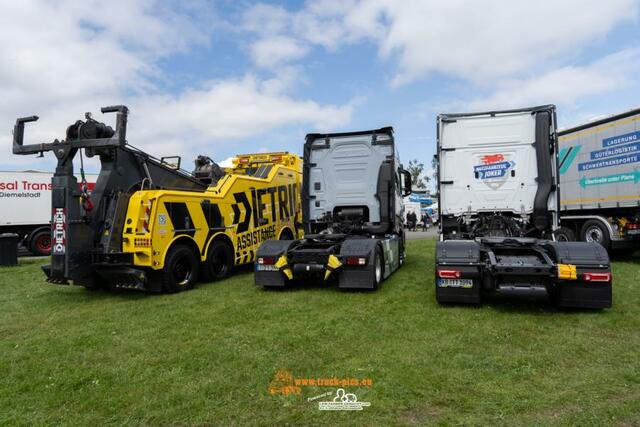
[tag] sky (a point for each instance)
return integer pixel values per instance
(227, 77)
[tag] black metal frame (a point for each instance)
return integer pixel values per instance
(90, 237)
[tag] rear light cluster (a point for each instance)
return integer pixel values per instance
(352, 260)
(596, 277)
(632, 226)
(267, 260)
(449, 274)
(276, 158)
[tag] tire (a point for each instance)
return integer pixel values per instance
(40, 243)
(219, 263)
(564, 234)
(286, 235)
(180, 269)
(378, 268)
(595, 231)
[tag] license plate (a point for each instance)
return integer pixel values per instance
(455, 283)
(267, 267)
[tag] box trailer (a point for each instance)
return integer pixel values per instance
(599, 169)
(25, 207)
(498, 209)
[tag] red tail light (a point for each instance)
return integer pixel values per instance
(356, 261)
(449, 274)
(596, 277)
(244, 160)
(267, 260)
(276, 158)
(632, 226)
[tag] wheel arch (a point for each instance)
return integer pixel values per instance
(38, 229)
(221, 236)
(286, 229)
(182, 239)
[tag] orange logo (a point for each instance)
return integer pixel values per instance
(282, 383)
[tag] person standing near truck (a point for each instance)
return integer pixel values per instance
(425, 221)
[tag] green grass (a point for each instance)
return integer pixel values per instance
(69, 356)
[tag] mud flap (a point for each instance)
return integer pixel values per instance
(273, 274)
(458, 258)
(358, 277)
(591, 260)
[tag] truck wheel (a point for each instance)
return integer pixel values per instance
(180, 269)
(564, 234)
(378, 268)
(219, 263)
(40, 243)
(594, 231)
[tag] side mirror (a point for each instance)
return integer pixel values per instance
(406, 183)
(173, 162)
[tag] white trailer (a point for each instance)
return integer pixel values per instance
(599, 173)
(25, 207)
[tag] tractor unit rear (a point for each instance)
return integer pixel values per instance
(352, 215)
(499, 204)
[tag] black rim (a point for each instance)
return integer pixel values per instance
(182, 271)
(219, 261)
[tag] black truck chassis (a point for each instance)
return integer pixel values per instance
(569, 274)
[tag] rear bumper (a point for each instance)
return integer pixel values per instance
(124, 277)
(494, 271)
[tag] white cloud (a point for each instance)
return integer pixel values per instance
(61, 58)
(223, 111)
(473, 40)
(493, 39)
(566, 85)
(276, 50)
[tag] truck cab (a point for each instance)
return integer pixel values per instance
(353, 185)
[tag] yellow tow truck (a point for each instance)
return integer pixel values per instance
(177, 233)
(148, 224)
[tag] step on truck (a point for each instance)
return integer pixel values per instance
(599, 164)
(499, 199)
(150, 225)
(353, 185)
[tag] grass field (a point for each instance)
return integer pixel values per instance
(208, 356)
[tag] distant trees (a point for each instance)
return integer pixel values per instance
(418, 179)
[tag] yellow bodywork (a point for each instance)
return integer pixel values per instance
(282, 265)
(332, 264)
(258, 199)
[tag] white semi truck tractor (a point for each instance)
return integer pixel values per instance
(499, 207)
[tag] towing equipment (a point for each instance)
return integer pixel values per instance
(149, 225)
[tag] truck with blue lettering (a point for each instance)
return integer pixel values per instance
(599, 174)
(498, 198)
